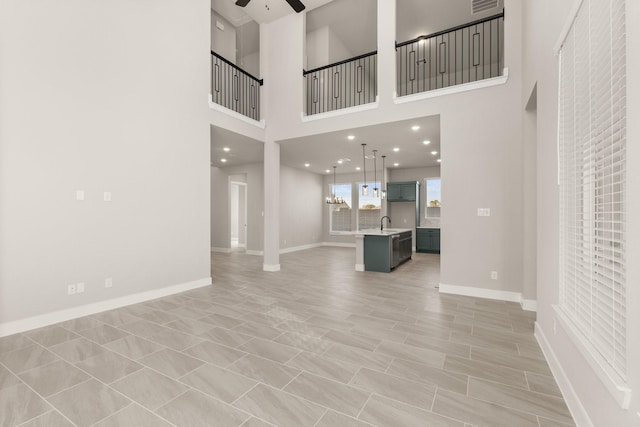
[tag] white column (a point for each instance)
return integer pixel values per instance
(386, 51)
(271, 261)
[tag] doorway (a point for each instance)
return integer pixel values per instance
(238, 215)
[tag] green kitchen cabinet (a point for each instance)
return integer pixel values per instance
(428, 240)
(406, 191)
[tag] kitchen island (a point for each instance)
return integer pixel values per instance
(384, 250)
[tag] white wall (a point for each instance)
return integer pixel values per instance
(223, 42)
(100, 96)
(324, 47)
(590, 401)
(300, 208)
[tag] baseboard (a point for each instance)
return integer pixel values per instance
(222, 250)
(481, 292)
(339, 244)
(255, 253)
(271, 267)
(47, 319)
(579, 414)
(300, 248)
(529, 304)
(359, 267)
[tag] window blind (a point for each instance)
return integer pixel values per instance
(592, 170)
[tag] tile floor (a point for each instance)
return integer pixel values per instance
(316, 344)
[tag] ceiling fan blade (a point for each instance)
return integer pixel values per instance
(296, 5)
(242, 3)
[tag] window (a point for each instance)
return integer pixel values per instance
(368, 208)
(434, 198)
(592, 147)
(340, 215)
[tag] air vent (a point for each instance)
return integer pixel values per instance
(478, 6)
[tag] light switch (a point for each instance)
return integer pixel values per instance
(107, 196)
(80, 195)
(80, 287)
(484, 212)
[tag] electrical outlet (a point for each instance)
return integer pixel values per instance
(484, 212)
(494, 275)
(80, 195)
(71, 289)
(108, 282)
(80, 287)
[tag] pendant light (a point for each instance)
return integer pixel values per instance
(365, 187)
(383, 194)
(375, 176)
(333, 199)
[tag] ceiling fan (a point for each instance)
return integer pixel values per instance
(295, 4)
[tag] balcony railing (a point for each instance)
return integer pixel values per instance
(341, 85)
(234, 88)
(462, 54)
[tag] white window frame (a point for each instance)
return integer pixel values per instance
(330, 207)
(426, 199)
(592, 175)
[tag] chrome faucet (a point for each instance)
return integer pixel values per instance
(382, 222)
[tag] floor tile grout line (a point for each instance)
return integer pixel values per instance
(321, 417)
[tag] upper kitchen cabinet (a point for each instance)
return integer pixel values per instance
(406, 191)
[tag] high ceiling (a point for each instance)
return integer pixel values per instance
(345, 17)
(323, 151)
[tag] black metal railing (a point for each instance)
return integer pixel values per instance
(341, 85)
(462, 54)
(234, 88)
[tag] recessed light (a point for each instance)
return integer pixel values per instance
(439, 160)
(351, 137)
(396, 149)
(416, 127)
(327, 171)
(396, 164)
(227, 149)
(358, 168)
(223, 160)
(340, 161)
(306, 165)
(434, 153)
(426, 142)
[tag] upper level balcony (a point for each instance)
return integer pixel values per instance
(341, 59)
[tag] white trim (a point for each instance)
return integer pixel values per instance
(271, 267)
(612, 382)
(339, 244)
(222, 250)
(567, 26)
(300, 248)
(47, 319)
(579, 414)
(471, 291)
(260, 124)
(529, 304)
(340, 112)
(494, 81)
(359, 267)
(255, 253)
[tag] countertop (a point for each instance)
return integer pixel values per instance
(385, 232)
(429, 226)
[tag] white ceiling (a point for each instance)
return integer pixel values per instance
(323, 151)
(261, 11)
(242, 149)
